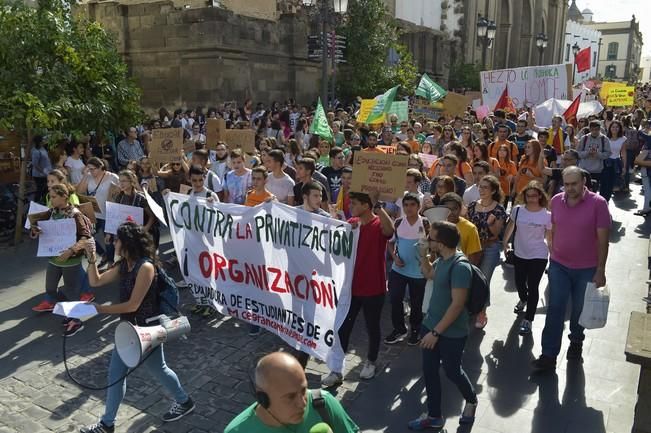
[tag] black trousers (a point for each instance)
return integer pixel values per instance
(372, 306)
(528, 273)
(398, 284)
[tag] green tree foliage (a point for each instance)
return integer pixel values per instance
(60, 72)
(465, 75)
(370, 34)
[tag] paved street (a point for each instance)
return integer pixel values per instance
(214, 363)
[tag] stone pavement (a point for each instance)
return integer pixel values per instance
(215, 362)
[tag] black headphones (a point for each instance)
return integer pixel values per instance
(263, 399)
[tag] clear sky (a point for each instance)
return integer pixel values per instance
(622, 10)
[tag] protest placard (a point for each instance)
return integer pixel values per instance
(117, 214)
(214, 131)
(56, 236)
(379, 172)
(34, 208)
(389, 150)
(166, 145)
(240, 138)
(87, 209)
(427, 112)
(455, 104)
(621, 96)
(284, 269)
(482, 112)
(89, 199)
(156, 209)
(428, 159)
(528, 86)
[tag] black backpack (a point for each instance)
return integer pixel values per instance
(478, 293)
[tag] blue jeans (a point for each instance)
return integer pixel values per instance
(447, 352)
(646, 182)
(156, 367)
(85, 283)
(490, 258)
(564, 283)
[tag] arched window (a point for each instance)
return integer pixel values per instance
(613, 48)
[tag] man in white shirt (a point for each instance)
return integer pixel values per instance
(278, 182)
(479, 170)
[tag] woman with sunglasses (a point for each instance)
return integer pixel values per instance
(173, 175)
(488, 215)
(532, 223)
(98, 182)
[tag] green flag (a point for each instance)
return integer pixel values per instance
(429, 90)
(382, 106)
(320, 125)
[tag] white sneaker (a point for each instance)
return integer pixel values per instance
(332, 379)
(368, 371)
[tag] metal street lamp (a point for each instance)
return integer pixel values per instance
(327, 10)
(541, 43)
(486, 30)
(575, 50)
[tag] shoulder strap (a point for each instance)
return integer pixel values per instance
(396, 223)
(319, 404)
(603, 143)
(210, 181)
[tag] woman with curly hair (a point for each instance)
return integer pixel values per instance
(137, 276)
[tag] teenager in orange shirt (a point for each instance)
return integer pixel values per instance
(507, 171)
(503, 133)
(259, 193)
(480, 153)
(528, 169)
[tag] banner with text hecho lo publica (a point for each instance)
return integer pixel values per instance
(275, 266)
(528, 86)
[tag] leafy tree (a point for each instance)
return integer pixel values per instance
(370, 34)
(61, 73)
(465, 75)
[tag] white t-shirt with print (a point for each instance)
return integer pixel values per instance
(282, 187)
(529, 240)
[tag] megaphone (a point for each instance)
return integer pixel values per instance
(436, 213)
(133, 343)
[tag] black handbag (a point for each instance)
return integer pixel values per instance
(509, 256)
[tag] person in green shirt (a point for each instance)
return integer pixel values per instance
(445, 327)
(284, 403)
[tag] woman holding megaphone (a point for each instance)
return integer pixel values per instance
(136, 274)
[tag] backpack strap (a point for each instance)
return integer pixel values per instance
(603, 143)
(319, 404)
(396, 223)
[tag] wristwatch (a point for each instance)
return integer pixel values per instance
(435, 333)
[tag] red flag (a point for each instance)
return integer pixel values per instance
(583, 60)
(570, 114)
(505, 102)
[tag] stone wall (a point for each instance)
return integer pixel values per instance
(186, 57)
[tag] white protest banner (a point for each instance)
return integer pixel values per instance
(545, 111)
(155, 208)
(528, 86)
(34, 208)
(278, 267)
(117, 213)
(56, 236)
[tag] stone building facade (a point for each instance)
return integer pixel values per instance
(184, 53)
(518, 22)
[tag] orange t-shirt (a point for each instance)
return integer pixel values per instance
(495, 145)
(253, 198)
(524, 179)
(414, 144)
(506, 169)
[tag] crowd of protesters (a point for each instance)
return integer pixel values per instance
(503, 179)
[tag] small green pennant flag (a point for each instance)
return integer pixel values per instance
(320, 125)
(382, 106)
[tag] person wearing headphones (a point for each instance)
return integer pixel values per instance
(283, 401)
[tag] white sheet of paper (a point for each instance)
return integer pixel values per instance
(76, 310)
(117, 213)
(34, 208)
(155, 208)
(56, 236)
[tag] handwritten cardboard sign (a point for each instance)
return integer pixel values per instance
(240, 138)
(379, 172)
(455, 104)
(389, 150)
(89, 199)
(166, 145)
(622, 96)
(528, 86)
(56, 236)
(214, 132)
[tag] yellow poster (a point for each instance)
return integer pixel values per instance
(605, 89)
(365, 109)
(621, 96)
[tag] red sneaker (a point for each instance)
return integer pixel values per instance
(87, 297)
(44, 306)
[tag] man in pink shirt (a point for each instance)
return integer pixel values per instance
(580, 230)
